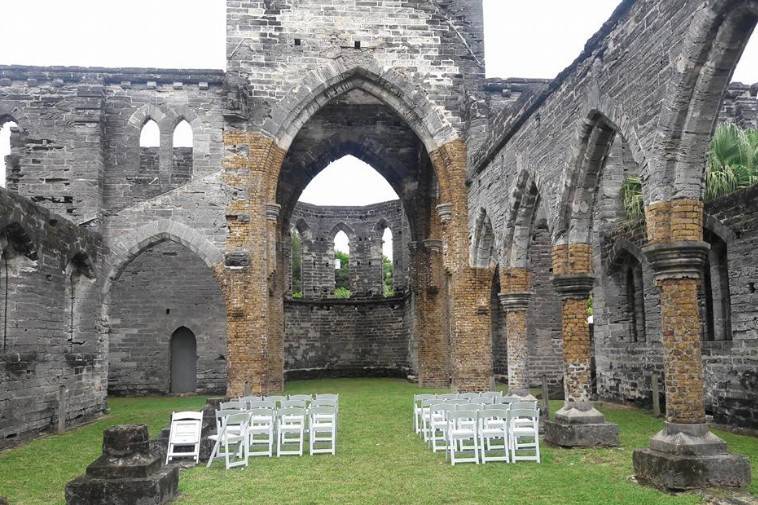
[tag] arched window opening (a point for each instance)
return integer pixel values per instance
(150, 136)
(341, 265)
(149, 153)
(388, 265)
(6, 161)
(79, 278)
(716, 298)
(182, 153)
(367, 186)
(183, 353)
(296, 259)
(635, 301)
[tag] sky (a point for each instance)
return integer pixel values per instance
(535, 38)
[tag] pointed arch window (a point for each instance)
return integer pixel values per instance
(635, 300)
(149, 152)
(182, 156)
(296, 260)
(388, 263)
(6, 160)
(341, 265)
(717, 304)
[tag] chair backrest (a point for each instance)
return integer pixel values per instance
(246, 401)
(232, 404)
(241, 419)
(323, 411)
(469, 396)
(261, 416)
(489, 397)
(327, 396)
(294, 403)
(416, 398)
(292, 414)
(186, 428)
(494, 412)
(525, 404)
(525, 410)
(462, 415)
(223, 413)
(275, 398)
(323, 403)
(305, 398)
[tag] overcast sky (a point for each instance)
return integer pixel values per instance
(535, 38)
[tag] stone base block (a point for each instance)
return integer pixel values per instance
(157, 489)
(689, 456)
(679, 472)
(581, 435)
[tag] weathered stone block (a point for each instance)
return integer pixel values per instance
(676, 472)
(581, 435)
(129, 472)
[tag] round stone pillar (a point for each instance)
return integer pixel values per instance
(685, 454)
(516, 306)
(578, 423)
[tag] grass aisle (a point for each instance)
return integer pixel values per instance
(379, 461)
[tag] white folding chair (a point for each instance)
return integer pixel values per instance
(290, 428)
(323, 429)
(233, 432)
(425, 407)
(438, 414)
(524, 431)
(493, 433)
(417, 411)
(462, 428)
(185, 432)
(261, 431)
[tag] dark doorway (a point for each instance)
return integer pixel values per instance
(183, 361)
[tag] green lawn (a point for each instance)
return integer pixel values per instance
(379, 461)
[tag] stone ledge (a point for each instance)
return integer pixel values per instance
(581, 435)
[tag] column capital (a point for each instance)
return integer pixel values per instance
(445, 212)
(515, 301)
(574, 285)
(272, 211)
(677, 260)
(433, 245)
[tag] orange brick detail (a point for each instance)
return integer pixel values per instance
(577, 354)
(572, 259)
(518, 352)
(514, 280)
(683, 365)
(255, 322)
(677, 220)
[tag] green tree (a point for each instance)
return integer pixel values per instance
(342, 275)
(297, 265)
(389, 274)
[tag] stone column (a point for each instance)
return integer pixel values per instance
(685, 454)
(577, 423)
(516, 306)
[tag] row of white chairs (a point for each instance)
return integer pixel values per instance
(470, 430)
(255, 426)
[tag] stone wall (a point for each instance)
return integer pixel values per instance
(346, 338)
(165, 288)
(364, 227)
(740, 105)
(52, 342)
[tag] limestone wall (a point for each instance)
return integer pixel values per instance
(346, 338)
(50, 279)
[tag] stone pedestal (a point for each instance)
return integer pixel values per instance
(129, 472)
(689, 456)
(581, 426)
